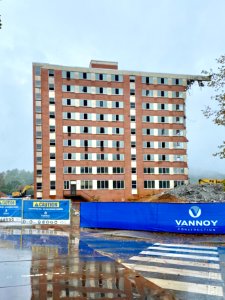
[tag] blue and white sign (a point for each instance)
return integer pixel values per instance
(10, 210)
(46, 212)
(191, 218)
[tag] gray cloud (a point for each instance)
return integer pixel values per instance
(161, 36)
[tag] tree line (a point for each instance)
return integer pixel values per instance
(14, 180)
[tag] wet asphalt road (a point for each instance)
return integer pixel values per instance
(65, 263)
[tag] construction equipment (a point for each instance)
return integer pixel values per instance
(23, 192)
(211, 181)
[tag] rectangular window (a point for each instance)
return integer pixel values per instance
(148, 144)
(118, 170)
(149, 170)
(147, 131)
(134, 184)
(133, 156)
(52, 142)
(118, 184)
(163, 145)
(162, 80)
(52, 155)
(118, 157)
(162, 93)
(163, 132)
(178, 158)
(37, 71)
(38, 122)
(147, 93)
(178, 170)
(86, 185)
(52, 128)
(102, 156)
(86, 156)
(51, 100)
(132, 118)
(133, 131)
(101, 103)
(148, 119)
(162, 106)
(164, 170)
(133, 170)
(86, 170)
(52, 115)
(163, 157)
(132, 92)
(102, 184)
(147, 105)
(39, 147)
(52, 185)
(177, 81)
(132, 78)
(39, 186)
(164, 184)
(38, 134)
(66, 185)
(68, 74)
(84, 75)
(51, 87)
(178, 145)
(39, 160)
(100, 77)
(132, 105)
(52, 170)
(149, 184)
(147, 80)
(148, 157)
(102, 170)
(39, 172)
(116, 130)
(51, 73)
(68, 88)
(178, 183)
(118, 78)
(69, 170)
(133, 144)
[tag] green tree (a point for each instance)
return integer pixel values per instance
(14, 180)
(217, 115)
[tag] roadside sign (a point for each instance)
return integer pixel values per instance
(10, 210)
(46, 212)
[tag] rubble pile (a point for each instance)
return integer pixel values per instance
(198, 193)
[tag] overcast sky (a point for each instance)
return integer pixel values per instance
(179, 36)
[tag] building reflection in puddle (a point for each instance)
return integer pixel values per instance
(63, 267)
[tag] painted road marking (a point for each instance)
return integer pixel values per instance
(175, 262)
(183, 250)
(170, 260)
(186, 246)
(179, 255)
(212, 290)
(174, 271)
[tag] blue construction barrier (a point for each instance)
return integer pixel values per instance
(164, 217)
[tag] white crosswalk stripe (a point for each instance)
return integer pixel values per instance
(190, 269)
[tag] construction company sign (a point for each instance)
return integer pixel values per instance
(199, 218)
(10, 210)
(46, 212)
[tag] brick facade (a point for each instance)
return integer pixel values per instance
(147, 108)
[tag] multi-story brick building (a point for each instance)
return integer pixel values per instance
(105, 134)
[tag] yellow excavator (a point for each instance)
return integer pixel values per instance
(23, 192)
(211, 181)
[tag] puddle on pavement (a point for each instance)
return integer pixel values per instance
(51, 264)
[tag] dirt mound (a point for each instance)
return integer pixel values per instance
(193, 193)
